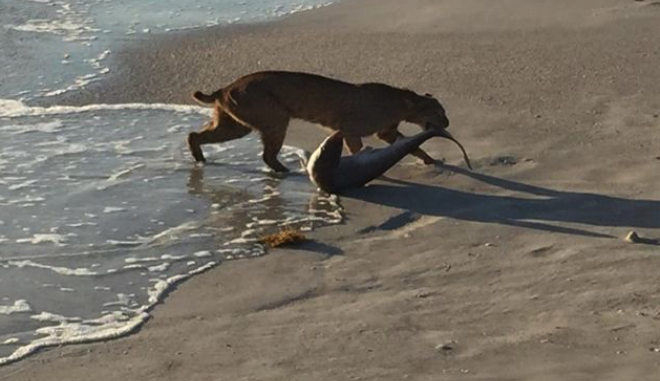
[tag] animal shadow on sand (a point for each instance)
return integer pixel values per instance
(537, 207)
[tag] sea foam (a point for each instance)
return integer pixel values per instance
(64, 166)
(161, 221)
(15, 109)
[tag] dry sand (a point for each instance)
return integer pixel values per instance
(517, 271)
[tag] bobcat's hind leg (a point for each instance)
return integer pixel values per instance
(225, 130)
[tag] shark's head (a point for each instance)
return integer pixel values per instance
(323, 162)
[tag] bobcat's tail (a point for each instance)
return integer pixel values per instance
(217, 101)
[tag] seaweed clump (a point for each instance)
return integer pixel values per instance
(285, 237)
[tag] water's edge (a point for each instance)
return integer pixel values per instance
(76, 101)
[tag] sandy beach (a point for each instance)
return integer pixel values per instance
(515, 271)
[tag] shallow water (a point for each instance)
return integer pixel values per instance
(101, 207)
(49, 47)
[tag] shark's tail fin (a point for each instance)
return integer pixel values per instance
(443, 133)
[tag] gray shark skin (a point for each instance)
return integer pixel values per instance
(333, 173)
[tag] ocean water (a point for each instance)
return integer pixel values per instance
(101, 207)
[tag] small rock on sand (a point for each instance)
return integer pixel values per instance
(446, 347)
(632, 237)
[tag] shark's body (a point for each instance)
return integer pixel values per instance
(333, 173)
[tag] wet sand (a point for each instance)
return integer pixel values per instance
(515, 271)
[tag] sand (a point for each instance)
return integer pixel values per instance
(516, 271)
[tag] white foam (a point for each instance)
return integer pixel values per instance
(96, 62)
(53, 318)
(174, 232)
(77, 333)
(202, 254)
(159, 268)
(240, 240)
(72, 330)
(159, 289)
(10, 106)
(124, 243)
(24, 184)
(113, 209)
(57, 239)
(12, 109)
(69, 28)
(78, 83)
(71, 24)
(110, 325)
(115, 176)
(23, 200)
(82, 271)
(81, 224)
(47, 127)
(122, 300)
(173, 257)
(140, 260)
(200, 235)
(19, 306)
(261, 200)
(261, 223)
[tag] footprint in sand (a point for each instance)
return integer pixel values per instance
(503, 161)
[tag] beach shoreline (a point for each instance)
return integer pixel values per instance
(515, 271)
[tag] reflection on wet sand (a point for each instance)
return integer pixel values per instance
(247, 210)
